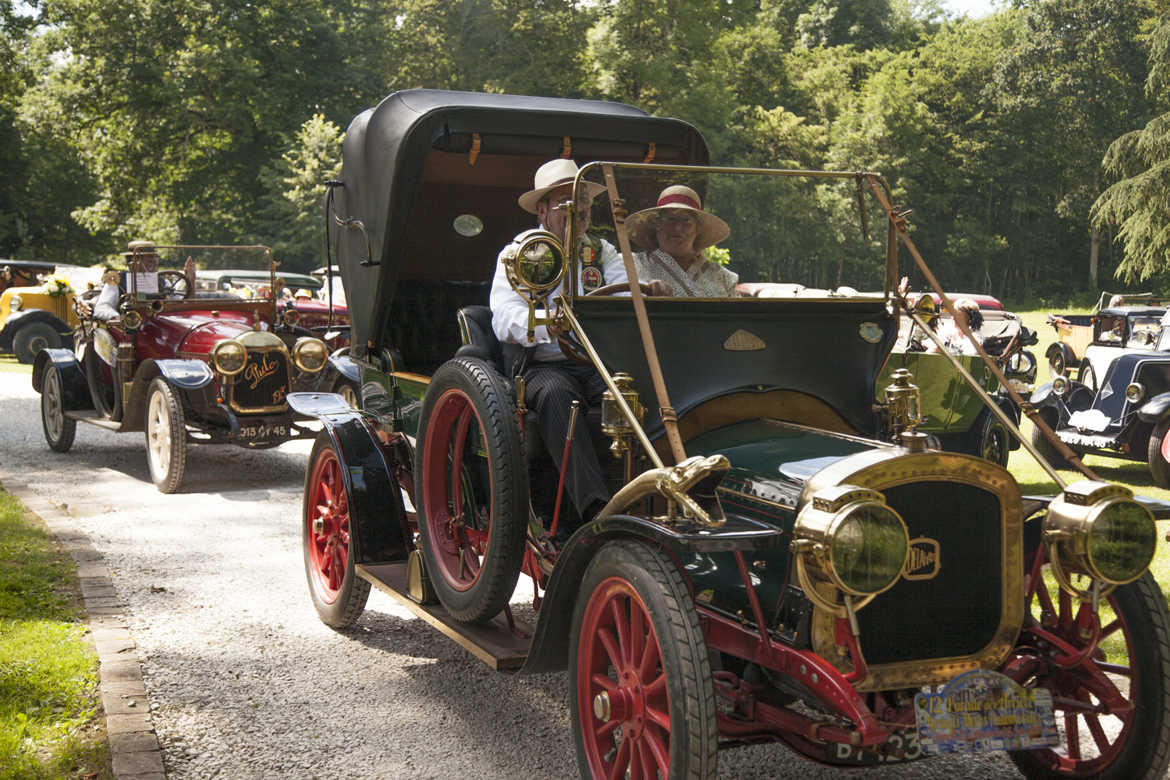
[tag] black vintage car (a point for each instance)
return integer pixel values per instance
(780, 561)
(1127, 414)
(180, 365)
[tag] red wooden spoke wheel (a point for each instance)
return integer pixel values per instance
(471, 489)
(338, 594)
(619, 673)
(327, 518)
(458, 513)
(641, 692)
(1110, 701)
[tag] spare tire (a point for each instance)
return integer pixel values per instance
(471, 489)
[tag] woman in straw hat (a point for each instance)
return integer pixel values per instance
(672, 236)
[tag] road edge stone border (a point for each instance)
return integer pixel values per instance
(134, 749)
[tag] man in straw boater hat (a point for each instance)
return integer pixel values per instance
(673, 235)
(552, 382)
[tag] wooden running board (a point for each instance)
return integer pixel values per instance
(491, 642)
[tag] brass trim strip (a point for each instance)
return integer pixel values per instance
(411, 377)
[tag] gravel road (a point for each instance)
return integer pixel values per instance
(246, 682)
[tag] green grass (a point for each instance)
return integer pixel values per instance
(50, 713)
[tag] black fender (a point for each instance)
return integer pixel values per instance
(1070, 359)
(338, 365)
(1079, 396)
(376, 513)
(18, 319)
(192, 380)
(346, 366)
(1156, 409)
(550, 642)
(1044, 396)
(1008, 406)
(184, 374)
(74, 388)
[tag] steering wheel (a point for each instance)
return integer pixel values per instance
(619, 287)
(173, 284)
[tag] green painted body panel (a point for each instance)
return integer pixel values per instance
(410, 394)
(770, 464)
(948, 402)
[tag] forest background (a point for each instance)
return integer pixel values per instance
(1033, 144)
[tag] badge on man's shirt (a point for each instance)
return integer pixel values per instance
(590, 246)
(590, 278)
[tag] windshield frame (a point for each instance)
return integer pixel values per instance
(618, 212)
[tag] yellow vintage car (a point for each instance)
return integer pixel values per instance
(35, 317)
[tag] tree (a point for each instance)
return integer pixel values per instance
(517, 46)
(177, 104)
(1082, 64)
(291, 209)
(1140, 201)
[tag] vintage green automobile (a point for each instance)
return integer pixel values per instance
(953, 411)
(780, 561)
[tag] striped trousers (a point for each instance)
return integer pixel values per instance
(550, 391)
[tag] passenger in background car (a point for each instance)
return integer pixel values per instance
(953, 336)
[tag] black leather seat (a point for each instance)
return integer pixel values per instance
(479, 340)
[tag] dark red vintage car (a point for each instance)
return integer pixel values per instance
(304, 309)
(181, 365)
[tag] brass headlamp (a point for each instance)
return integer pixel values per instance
(228, 357)
(1098, 530)
(613, 423)
(535, 264)
(848, 541)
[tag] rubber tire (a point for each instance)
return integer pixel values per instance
(637, 568)
(53, 405)
(1087, 377)
(348, 390)
(989, 430)
(32, 338)
(474, 381)
(1146, 753)
(338, 607)
(163, 406)
(1046, 448)
(1159, 468)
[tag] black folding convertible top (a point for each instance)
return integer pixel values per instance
(421, 158)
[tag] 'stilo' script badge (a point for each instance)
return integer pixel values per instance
(923, 561)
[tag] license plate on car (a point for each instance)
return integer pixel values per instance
(903, 745)
(262, 432)
(982, 711)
